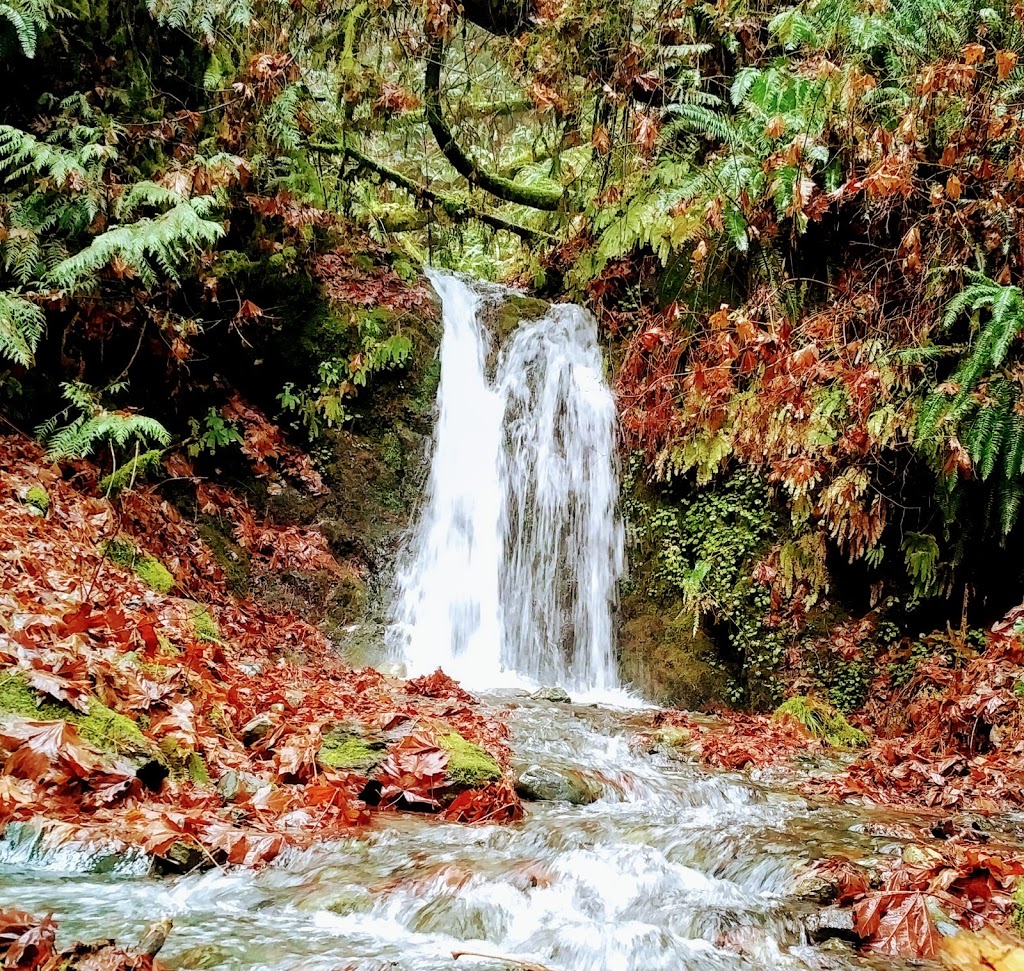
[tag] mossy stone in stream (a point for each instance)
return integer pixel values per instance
(148, 569)
(822, 721)
(344, 749)
(468, 764)
(513, 311)
(460, 918)
(354, 900)
(100, 726)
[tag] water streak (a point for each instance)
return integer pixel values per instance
(513, 566)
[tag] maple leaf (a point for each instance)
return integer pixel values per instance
(39, 745)
(896, 923)
(61, 677)
(26, 941)
(413, 772)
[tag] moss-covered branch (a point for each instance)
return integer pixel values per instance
(454, 207)
(537, 197)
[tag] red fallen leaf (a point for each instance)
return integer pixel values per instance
(850, 880)
(413, 772)
(438, 685)
(61, 677)
(80, 620)
(249, 311)
(896, 923)
(497, 802)
(26, 941)
(38, 745)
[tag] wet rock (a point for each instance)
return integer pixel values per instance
(553, 693)
(182, 857)
(235, 785)
(831, 922)
(256, 729)
(539, 783)
(345, 748)
(468, 764)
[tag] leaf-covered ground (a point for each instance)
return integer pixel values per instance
(142, 703)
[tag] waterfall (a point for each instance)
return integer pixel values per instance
(510, 573)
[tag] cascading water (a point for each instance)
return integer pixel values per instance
(513, 566)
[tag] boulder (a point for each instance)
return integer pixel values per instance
(539, 783)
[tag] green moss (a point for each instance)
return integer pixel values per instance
(230, 557)
(342, 749)
(822, 721)
(514, 310)
(184, 762)
(100, 726)
(149, 569)
(1017, 914)
(204, 627)
(468, 764)
(38, 498)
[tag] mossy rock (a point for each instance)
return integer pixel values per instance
(511, 312)
(468, 764)
(822, 721)
(101, 727)
(38, 498)
(122, 551)
(345, 750)
(204, 627)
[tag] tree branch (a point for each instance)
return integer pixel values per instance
(534, 196)
(453, 206)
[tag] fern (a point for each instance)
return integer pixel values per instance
(202, 17)
(26, 20)
(977, 403)
(21, 327)
(151, 249)
(91, 425)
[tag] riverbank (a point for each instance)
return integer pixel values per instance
(143, 702)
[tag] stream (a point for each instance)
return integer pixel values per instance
(673, 867)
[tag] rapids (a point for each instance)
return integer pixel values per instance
(673, 867)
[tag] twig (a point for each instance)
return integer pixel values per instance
(525, 965)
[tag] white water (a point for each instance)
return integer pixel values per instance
(511, 572)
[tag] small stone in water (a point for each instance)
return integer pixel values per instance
(554, 693)
(541, 784)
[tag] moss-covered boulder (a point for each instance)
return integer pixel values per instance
(822, 721)
(468, 764)
(345, 750)
(123, 551)
(101, 727)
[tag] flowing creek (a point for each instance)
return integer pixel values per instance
(673, 867)
(509, 577)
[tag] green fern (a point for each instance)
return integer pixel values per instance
(91, 425)
(21, 327)
(26, 20)
(153, 249)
